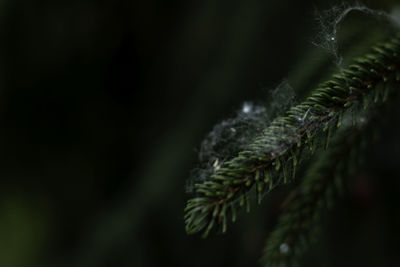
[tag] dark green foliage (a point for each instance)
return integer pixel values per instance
(272, 157)
(302, 212)
(326, 179)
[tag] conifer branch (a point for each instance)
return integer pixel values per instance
(272, 158)
(326, 178)
(298, 225)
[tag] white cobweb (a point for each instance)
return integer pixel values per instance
(329, 22)
(232, 135)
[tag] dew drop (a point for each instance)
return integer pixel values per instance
(246, 108)
(284, 248)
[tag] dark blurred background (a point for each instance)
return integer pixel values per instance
(102, 106)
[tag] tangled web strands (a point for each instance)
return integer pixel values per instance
(232, 135)
(273, 156)
(330, 20)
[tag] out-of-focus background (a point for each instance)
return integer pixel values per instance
(103, 105)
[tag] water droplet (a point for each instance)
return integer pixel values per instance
(246, 108)
(284, 248)
(274, 154)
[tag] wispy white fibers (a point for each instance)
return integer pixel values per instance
(330, 20)
(226, 139)
(232, 135)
